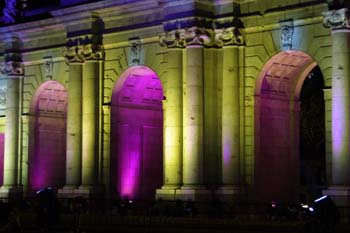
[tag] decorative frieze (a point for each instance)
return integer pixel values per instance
(13, 65)
(83, 48)
(337, 19)
(201, 31)
(228, 36)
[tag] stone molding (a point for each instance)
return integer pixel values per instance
(203, 32)
(337, 19)
(85, 48)
(13, 65)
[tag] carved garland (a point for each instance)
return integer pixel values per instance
(199, 31)
(13, 65)
(337, 19)
(82, 48)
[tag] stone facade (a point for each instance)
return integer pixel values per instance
(226, 75)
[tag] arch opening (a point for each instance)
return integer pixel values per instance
(281, 97)
(137, 134)
(47, 141)
(312, 135)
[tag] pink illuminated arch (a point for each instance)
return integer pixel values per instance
(137, 134)
(277, 125)
(47, 141)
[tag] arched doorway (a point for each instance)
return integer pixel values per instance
(278, 154)
(47, 152)
(137, 134)
(312, 135)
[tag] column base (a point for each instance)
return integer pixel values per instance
(68, 191)
(9, 192)
(86, 191)
(229, 193)
(194, 193)
(167, 192)
(184, 193)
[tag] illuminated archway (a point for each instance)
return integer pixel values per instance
(137, 134)
(277, 130)
(47, 152)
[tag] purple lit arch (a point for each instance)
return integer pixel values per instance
(137, 134)
(277, 109)
(47, 141)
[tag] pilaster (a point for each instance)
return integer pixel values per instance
(230, 38)
(338, 21)
(13, 68)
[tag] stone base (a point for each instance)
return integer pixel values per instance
(89, 191)
(11, 192)
(185, 193)
(68, 191)
(229, 193)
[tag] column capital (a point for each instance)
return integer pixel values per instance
(228, 36)
(13, 65)
(80, 49)
(201, 31)
(337, 19)
(181, 38)
(186, 32)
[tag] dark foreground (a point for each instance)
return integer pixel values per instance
(29, 222)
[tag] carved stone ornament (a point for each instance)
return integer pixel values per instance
(173, 39)
(83, 48)
(336, 19)
(181, 38)
(48, 65)
(2, 97)
(135, 51)
(287, 37)
(13, 65)
(228, 36)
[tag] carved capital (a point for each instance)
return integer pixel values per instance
(337, 19)
(83, 48)
(173, 39)
(13, 65)
(198, 36)
(228, 36)
(186, 32)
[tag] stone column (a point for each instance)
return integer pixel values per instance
(230, 118)
(193, 119)
(74, 128)
(14, 71)
(90, 123)
(230, 39)
(75, 60)
(172, 107)
(338, 20)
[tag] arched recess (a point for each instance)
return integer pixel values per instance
(277, 125)
(137, 134)
(47, 136)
